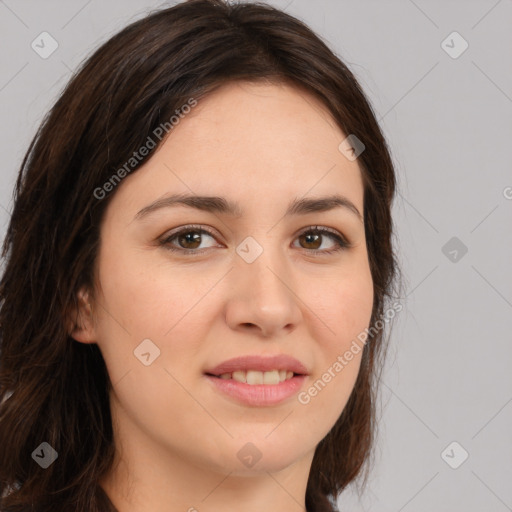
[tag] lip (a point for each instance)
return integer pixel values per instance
(258, 395)
(259, 363)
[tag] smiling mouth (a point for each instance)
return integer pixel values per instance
(254, 377)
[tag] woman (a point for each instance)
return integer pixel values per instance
(197, 272)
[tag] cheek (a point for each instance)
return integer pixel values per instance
(344, 309)
(148, 297)
(344, 305)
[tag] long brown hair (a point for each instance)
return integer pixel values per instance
(55, 390)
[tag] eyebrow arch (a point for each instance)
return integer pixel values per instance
(216, 204)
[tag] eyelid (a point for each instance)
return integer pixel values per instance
(333, 231)
(188, 227)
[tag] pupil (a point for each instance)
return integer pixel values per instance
(315, 237)
(188, 238)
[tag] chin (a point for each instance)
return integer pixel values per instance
(247, 455)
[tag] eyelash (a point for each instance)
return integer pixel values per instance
(341, 242)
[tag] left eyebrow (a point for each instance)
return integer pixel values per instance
(216, 204)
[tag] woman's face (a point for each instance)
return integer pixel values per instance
(185, 288)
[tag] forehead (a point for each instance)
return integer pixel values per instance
(252, 141)
(262, 112)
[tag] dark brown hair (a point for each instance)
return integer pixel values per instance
(120, 95)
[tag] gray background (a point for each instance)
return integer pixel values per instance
(448, 122)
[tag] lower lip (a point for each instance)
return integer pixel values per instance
(258, 394)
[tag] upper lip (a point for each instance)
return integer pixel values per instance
(259, 363)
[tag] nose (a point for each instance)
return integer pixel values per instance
(263, 296)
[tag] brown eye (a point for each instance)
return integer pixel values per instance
(188, 240)
(313, 238)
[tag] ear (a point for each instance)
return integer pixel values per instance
(81, 319)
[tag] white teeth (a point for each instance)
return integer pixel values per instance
(239, 376)
(255, 377)
(271, 377)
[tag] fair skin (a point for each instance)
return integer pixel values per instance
(177, 436)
